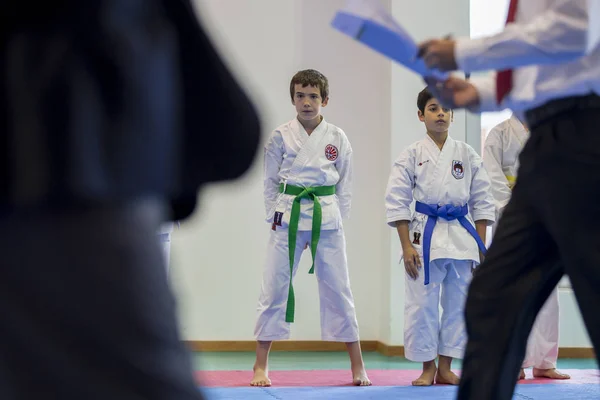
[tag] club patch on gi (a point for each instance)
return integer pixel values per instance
(458, 171)
(331, 152)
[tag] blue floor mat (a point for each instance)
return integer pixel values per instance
(523, 392)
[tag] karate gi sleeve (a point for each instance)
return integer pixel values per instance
(481, 201)
(273, 158)
(555, 36)
(493, 154)
(343, 188)
(399, 192)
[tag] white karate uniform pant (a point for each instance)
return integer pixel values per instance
(425, 336)
(338, 316)
(542, 345)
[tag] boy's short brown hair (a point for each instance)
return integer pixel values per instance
(422, 99)
(310, 77)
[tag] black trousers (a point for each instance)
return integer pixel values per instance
(550, 227)
(85, 309)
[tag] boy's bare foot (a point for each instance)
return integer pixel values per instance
(428, 375)
(550, 373)
(359, 374)
(359, 377)
(446, 377)
(261, 367)
(522, 374)
(260, 378)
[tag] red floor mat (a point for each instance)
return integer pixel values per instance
(343, 378)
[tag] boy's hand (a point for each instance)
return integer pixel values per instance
(412, 262)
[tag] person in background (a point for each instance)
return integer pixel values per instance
(106, 133)
(307, 191)
(442, 241)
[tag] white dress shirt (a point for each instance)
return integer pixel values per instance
(547, 48)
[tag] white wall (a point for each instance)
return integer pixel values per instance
(218, 255)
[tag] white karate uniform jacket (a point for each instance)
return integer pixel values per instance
(501, 159)
(454, 175)
(323, 158)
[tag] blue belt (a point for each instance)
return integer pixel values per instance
(449, 213)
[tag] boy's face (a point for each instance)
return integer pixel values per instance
(436, 118)
(308, 102)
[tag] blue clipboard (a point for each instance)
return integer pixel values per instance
(397, 46)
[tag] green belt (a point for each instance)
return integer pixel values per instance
(303, 193)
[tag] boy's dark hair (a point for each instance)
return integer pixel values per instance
(310, 77)
(424, 96)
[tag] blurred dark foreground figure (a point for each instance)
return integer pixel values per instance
(113, 114)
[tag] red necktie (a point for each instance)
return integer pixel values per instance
(504, 78)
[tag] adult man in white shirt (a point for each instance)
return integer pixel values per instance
(555, 88)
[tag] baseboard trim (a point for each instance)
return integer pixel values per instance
(576, 352)
(390, 351)
(316, 345)
(285, 345)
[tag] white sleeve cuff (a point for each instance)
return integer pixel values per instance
(484, 215)
(486, 88)
(398, 216)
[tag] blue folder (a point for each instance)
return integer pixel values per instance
(398, 47)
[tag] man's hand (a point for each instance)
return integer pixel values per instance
(438, 54)
(454, 93)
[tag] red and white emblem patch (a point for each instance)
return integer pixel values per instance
(331, 152)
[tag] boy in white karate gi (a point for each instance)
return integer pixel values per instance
(441, 245)
(308, 173)
(501, 160)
